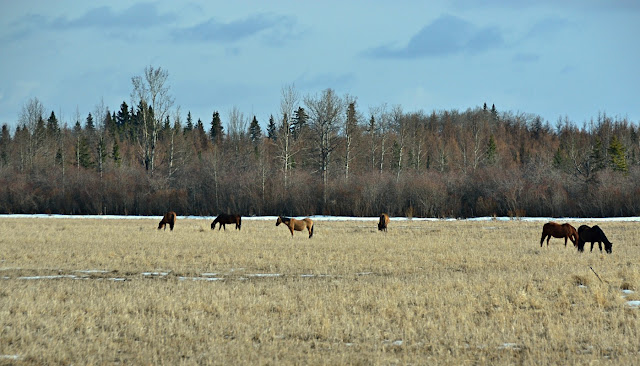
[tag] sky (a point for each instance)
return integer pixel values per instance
(557, 59)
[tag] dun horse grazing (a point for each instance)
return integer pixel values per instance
(556, 230)
(384, 222)
(297, 225)
(169, 218)
(224, 219)
(593, 235)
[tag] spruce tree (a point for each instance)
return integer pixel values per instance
(52, 125)
(271, 129)
(115, 154)
(189, 126)
(300, 118)
(492, 151)
(617, 154)
(84, 153)
(90, 126)
(216, 131)
(255, 132)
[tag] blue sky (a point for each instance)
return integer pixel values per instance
(555, 59)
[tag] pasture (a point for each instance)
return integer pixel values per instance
(88, 291)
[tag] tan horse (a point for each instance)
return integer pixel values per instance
(384, 222)
(169, 218)
(297, 225)
(556, 230)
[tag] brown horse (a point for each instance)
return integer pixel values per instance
(224, 219)
(297, 225)
(384, 222)
(169, 218)
(593, 235)
(556, 230)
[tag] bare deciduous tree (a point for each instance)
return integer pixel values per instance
(151, 90)
(324, 113)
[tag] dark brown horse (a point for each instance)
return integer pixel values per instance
(593, 235)
(384, 222)
(169, 218)
(297, 225)
(224, 219)
(556, 230)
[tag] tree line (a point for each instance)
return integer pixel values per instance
(319, 154)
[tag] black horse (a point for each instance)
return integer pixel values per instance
(224, 219)
(593, 235)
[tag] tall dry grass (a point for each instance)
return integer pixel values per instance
(423, 293)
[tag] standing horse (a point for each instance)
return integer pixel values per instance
(556, 230)
(384, 222)
(297, 225)
(593, 235)
(224, 219)
(169, 218)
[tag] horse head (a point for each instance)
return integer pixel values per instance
(279, 221)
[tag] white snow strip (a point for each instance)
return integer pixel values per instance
(155, 273)
(9, 357)
(633, 303)
(201, 278)
(627, 292)
(46, 277)
(265, 275)
(91, 271)
(513, 346)
(209, 274)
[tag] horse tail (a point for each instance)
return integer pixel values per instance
(239, 222)
(311, 231)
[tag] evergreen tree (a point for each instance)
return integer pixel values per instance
(110, 124)
(5, 139)
(59, 158)
(52, 125)
(255, 132)
(115, 154)
(492, 151)
(617, 154)
(189, 126)
(558, 159)
(271, 129)
(84, 153)
(494, 112)
(216, 131)
(90, 125)
(40, 131)
(300, 118)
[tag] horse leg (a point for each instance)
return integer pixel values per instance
(565, 240)
(600, 246)
(592, 246)
(291, 229)
(542, 240)
(171, 226)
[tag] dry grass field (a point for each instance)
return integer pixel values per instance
(84, 292)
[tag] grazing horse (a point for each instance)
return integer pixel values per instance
(224, 219)
(169, 218)
(593, 235)
(384, 222)
(556, 230)
(297, 225)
